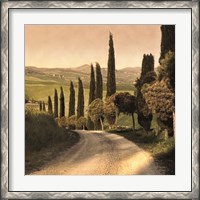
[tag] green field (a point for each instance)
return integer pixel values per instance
(39, 86)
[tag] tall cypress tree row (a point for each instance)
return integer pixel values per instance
(111, 82)
(50, 105)
(92, 85)
(55, 103)
(99, 82)
(80, 105)
(71, 100)
(62, 103)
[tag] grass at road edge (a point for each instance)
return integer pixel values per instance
(163, 150)
(35, 160)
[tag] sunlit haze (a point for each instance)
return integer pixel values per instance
(64, 46)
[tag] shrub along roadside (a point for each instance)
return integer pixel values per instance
(163, 150)
(44, 139)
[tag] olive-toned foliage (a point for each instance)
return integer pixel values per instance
(96, 112)
(81, 123)
(161, 100)
(166, 71)
(62, 103)
(71, 100)
(126, 103)
(110, 110)
(62, 122)
(72, 122)
(80, 105)
(55, 103)
(111, 80)
(50, 111)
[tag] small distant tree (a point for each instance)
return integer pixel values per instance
(40, 106)
(62, 103)
(50, 105)
(126, 103)
(71, 100)
(43, 106)
(96, 112)
(55, 103)
(99, 82)
(80, 105)
(81, 123)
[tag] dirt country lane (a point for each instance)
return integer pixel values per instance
(101, 153)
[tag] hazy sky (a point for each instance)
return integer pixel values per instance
(75, 45)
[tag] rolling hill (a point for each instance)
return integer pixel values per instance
(125, 76)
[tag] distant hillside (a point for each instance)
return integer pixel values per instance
(125, 77)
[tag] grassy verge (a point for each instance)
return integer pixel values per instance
(163, 150)
(44, 139)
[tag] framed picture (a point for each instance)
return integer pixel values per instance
(99, 99)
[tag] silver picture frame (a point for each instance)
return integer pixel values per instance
(5, 45)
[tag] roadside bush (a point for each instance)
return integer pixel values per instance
(62, 122)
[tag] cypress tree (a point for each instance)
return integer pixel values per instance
(147, 64)
(167, 40)
(43, 106)
(147, 75)
(62, 103)
(90, 124)
(80, 105)
(71, 100)
(55, 103)
(167, 54)
(111, 82)
(40, 106)
(50, 105)
(99, 82)
(92, 85)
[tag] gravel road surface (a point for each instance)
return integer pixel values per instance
(101, 153)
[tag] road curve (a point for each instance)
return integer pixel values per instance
(101, 153)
